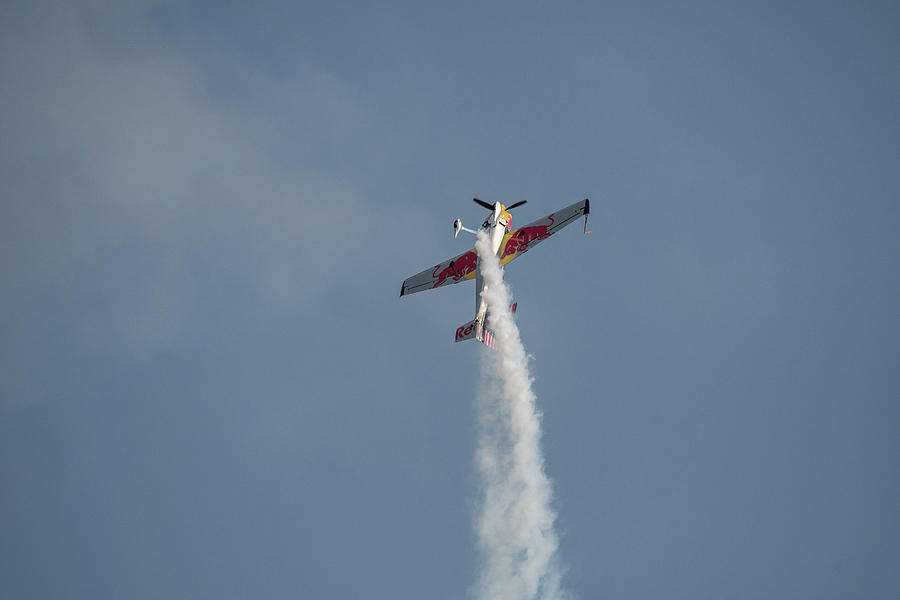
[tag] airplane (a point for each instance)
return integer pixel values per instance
(506, 244)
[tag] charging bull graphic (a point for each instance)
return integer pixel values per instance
(523, 237)
(457, 269)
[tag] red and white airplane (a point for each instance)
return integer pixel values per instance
(506, 244)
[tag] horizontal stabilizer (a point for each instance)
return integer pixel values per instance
(466, 331)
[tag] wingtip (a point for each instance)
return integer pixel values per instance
(587, 211)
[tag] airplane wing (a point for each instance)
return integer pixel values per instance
(452, 270)
(527, 237)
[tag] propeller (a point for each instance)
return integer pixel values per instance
(491, 206)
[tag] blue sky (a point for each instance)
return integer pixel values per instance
(209, 388)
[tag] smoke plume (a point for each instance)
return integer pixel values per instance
(516, 541)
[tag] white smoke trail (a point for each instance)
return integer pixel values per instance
(514, 525)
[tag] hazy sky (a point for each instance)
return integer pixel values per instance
(209, 387)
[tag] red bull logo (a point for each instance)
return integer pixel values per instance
(457, 269)
(520, 240)
(465, 331)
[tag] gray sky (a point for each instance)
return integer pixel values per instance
(209, 388)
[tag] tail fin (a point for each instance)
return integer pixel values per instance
(467, 330)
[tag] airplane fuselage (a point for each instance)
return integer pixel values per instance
(497, 224)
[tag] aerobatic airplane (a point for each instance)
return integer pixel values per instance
(506, 244)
